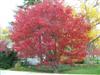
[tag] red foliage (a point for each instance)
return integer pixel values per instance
(47, 29)
(3, 45)
(96, 52)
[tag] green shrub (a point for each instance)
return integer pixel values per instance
(8, 59)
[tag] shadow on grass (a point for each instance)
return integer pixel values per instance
(63, 69)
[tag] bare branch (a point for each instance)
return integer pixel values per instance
(87, 17)
(85, 1)
(97, 3)
(96, 21)
(94, 39)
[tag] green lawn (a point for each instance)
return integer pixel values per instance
(87, 69)
(79, 69)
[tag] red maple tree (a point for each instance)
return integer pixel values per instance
(49, 30)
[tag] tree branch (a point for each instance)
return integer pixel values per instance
(96, 21)
(94, 39)
(97, 3)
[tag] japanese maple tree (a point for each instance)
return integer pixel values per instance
(49, 30)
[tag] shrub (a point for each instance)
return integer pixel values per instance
(8, 57)
(3, 45)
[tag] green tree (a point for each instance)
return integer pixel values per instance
(31, 2)
(4, 34)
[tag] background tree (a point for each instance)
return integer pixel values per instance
(90, 9)
(31, 2)
(4, 33)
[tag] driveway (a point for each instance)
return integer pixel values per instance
(7, 72)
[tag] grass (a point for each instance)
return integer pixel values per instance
(85, 69)
(65, 69)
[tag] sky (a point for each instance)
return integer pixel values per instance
(7, 8)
